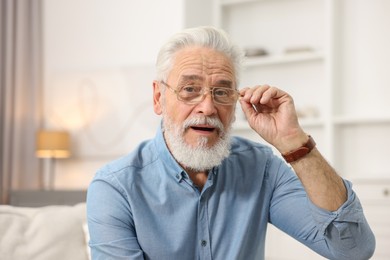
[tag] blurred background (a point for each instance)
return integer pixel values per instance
(82, 70)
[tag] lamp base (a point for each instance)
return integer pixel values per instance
(48, 178)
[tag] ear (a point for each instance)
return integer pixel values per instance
(157, 98)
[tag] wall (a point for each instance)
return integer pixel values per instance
(99, 57)
(98, 72)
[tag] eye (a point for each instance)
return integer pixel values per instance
(190, 90)
(222, 92)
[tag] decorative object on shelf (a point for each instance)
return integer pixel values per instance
(298, 49)
(281, 59)
(255, 52)
(308, 112)
(52, 145)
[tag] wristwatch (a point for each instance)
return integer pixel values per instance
(300, 152)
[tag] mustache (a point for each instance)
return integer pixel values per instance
(203, 120)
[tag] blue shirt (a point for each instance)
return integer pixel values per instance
(144, 206)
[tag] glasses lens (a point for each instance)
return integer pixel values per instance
(225, 95)
(191, 93)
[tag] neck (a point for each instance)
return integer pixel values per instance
(198, 178)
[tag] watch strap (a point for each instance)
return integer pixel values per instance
(300, 152)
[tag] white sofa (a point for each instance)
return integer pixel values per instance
(44, 233)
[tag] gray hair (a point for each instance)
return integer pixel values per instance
(204, 36)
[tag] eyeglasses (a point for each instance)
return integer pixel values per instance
(194, 94)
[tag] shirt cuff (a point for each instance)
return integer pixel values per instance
(351, 211)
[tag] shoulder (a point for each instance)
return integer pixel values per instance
(257, 157)
(242, 145)
(142, 156)
(250, 155)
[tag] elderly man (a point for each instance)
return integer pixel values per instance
(195, 192)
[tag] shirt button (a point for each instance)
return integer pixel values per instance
(203, 243)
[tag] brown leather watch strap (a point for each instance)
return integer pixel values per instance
(300, 152)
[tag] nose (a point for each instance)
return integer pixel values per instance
(207, 106)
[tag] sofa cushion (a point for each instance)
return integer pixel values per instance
(46, 233)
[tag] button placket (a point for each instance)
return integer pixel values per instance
(203, 227)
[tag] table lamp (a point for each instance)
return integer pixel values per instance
(52, 145)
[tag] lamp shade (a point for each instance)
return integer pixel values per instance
(52, 144)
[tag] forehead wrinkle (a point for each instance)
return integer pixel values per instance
(203, 64)
(219, 82)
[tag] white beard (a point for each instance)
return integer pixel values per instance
(201, 157)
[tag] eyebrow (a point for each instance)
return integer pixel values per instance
(191, 77)
(224, 82)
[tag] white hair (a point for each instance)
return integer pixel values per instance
(204, 36)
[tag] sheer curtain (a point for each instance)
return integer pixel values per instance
(20, 94)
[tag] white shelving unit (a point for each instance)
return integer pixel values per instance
(278, 26)
(325, 80)
(344, 81)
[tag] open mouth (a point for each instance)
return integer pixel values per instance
(203, 128)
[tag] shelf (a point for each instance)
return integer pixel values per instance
(283, 59)
(311, 122)
(361, 120)
(226, 3)
(241, 125)
(319, 122)
(237, 2)
(371, 181)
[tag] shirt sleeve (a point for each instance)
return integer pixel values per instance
(341, 234)
(110, 222)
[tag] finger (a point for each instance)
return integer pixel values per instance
(246, 93)
(247, 108)
(243, 91)
(258, 94)
(253, 94)
(269, 94)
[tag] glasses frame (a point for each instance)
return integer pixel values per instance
(205, 91)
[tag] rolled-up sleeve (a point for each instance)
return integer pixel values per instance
(340, 234)
(346, 230)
